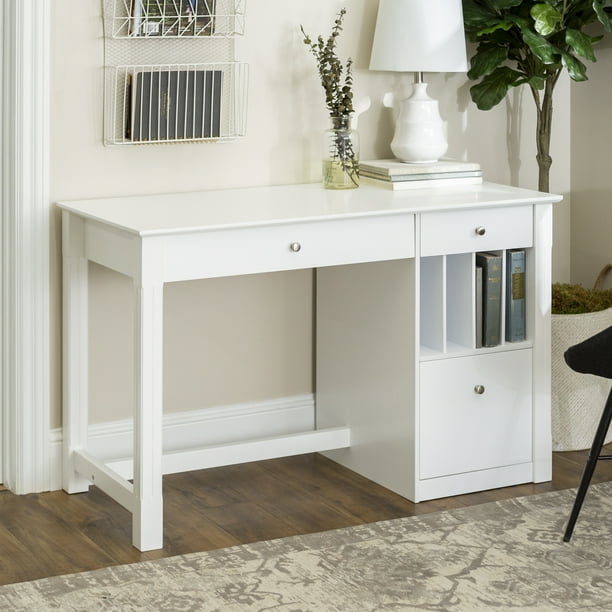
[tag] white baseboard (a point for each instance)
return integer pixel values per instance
(184, 430)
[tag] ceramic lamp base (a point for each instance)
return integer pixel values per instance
(419, 132)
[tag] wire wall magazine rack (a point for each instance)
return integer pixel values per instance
(177, 18)
(154, 90)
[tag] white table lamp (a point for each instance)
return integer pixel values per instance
(419, 36)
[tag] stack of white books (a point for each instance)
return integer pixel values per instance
(394, 174)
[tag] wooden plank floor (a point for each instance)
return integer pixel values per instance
(54, 533)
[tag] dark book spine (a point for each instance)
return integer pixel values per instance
(515, 295)
(491, 297)
(478, 297)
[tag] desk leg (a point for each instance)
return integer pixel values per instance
(147, 519)
(75, 356)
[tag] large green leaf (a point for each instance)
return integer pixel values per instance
(580, 43)
(486, 60)
(494, 27)
(493, 88)
(546, 18)
(598, 7)
(538, 82)
(476, 13)
(575, 68)
(540, 47)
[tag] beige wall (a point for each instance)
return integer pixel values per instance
(238, 339)
(591, 124)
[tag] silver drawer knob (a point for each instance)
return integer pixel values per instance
(481, 230)
(479, 389)
(295, 246)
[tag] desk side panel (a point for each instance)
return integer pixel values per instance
(541, 272)
(366, 367)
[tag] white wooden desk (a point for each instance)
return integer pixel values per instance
(376, 324)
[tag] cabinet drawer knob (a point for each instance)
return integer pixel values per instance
(295, 246)
(479, 389)
(481, 230)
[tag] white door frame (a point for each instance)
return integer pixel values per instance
(25, 246)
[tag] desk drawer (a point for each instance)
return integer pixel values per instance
(462, 430)
(252, 250)
(469, 231)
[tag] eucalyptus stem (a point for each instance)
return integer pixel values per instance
(337, 82)
(336, 79)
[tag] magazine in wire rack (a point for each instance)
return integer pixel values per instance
(174, 105)
(171, 17)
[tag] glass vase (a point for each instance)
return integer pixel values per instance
(340, 155)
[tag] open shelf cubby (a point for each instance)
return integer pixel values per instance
(448, 306)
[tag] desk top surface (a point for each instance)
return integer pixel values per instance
(179, 213)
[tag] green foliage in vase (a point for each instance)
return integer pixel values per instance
(530, 42)
(341, 167)
(336, 79)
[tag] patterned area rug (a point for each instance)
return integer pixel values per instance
(505, 555)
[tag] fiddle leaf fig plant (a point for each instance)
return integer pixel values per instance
(529, 42)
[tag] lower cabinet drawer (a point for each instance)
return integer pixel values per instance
(475, 413)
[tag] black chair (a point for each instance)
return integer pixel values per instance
(593, 356)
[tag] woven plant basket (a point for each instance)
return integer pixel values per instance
(577, 399)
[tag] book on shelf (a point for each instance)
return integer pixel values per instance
(420, 184)
(171, 17)
(394, 167)
(515, 295)
(174, 105)
(478, 310)
(491, 297)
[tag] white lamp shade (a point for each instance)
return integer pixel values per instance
(419, 36)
